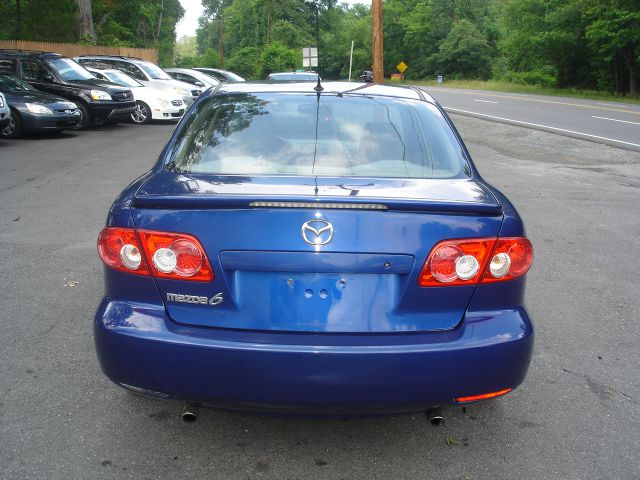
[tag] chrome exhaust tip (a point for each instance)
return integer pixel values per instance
(189, 413)
(435, 417)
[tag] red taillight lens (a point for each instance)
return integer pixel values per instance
(176, 255)
(456, 262)
(473, 260)
(167, 255)
(119, 248)
(511, 259)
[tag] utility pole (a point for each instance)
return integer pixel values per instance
(376, 41)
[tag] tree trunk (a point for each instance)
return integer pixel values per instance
(221, 39)
(630, 59)
(85, 20)
(157, 38)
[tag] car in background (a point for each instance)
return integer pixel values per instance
(147, 73)
(151, 103)
(194, 77)
(97, 100)
(293, 77)
(366, 76)
(33, 111)
(5, 113)
(224, 76)
(326, 251)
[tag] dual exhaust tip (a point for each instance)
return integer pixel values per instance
(190, 414)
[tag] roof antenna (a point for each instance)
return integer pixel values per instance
(318, 88)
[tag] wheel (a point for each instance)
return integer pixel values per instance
(14, 129)
(85, 119)
(142, 113)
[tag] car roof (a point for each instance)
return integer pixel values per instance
(28, 53)
(275, 74)
(211, 69)
(328, 87)
(182, 70)
(115, 57)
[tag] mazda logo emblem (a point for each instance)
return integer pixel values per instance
(317, 232)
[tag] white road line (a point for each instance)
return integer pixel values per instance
(613, 105)
(483, 101)
(615, 120)
(541, 126)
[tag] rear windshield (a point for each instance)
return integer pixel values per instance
(294, 77)
(308, 134)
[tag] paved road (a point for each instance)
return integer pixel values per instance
(577, 416)
(610, 123)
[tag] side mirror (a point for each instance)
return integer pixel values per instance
(47, 77)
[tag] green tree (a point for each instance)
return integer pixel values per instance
(465, 52)
(277, 57)
(615, 33)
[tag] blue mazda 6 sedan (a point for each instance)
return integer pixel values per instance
(327, 250)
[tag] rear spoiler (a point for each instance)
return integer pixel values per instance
(200, 201)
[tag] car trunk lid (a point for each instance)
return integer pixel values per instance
(363, 279)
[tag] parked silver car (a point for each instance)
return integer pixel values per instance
(147, 73)
(193, 77)
(224, 76)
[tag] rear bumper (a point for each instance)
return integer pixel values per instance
(139, 347)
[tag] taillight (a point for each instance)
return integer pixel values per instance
(512, 258)
(176, 255)
(456, 262)
(166, 255)
(473, 260)
(120, 249)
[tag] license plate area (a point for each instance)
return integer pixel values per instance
(316, 302)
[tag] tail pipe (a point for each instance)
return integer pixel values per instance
(189, 413)
(435, 417)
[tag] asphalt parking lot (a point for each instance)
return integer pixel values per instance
(577, 416)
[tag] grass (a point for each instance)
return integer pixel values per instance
(500, 86)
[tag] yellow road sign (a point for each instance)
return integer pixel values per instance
(402, 67)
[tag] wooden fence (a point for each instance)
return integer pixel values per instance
(75, 50)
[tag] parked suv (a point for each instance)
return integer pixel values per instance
(193, 77)
(147, 73)
(97, 100)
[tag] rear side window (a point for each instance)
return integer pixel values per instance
(7, 66)
(131, 70)
(307, 134)
(32, 70)
(184, 78)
